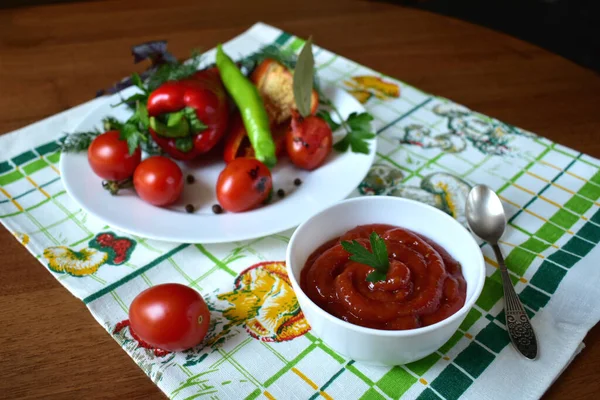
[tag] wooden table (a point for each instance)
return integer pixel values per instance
(55, 57)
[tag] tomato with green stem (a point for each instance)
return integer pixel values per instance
(244, 184)
(109, 157)
(158, 180)
(170, 316)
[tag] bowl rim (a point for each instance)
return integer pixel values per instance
(382, 332)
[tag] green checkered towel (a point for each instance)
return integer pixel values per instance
(429, 149)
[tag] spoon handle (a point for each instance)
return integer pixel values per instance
(519, 327)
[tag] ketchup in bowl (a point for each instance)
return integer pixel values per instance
(422, 286)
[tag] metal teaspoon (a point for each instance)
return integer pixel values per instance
(486, 219)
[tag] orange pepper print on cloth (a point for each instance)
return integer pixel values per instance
(365, 87)
(264, 302)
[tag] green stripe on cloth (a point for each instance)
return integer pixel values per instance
(518, 260)
(134, 274)
(451, 342)
(563, 258)
(396, 382)
(34, 166)
(296, 44)
(596, 178)
(474, 359)
(350, 367)
(578, 204)
(423, 365)
(47, 148)
(215, 260)
(289, 365)
(492, 292)
(590, 231)
(534, 298)
(372, 394)
(54, 158)
(281, 39)
(470, 319)
(428, 394)
(451, 383)
(253, 395)
(548, 277)
(590, 191)
(326, 384)
(24, 157)
(406, 114)
(5, 167)
(493, 337)
(10, 177)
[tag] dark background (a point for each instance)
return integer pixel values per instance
(570, 28)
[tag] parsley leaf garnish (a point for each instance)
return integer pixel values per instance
(377, 258)
(358, 127)
(326, 116)
(134, 130)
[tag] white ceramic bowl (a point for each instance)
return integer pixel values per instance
(373, 345)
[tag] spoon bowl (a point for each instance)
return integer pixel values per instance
(485, 214)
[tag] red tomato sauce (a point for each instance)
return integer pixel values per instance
(424, 283)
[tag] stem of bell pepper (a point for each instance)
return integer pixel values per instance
(174, 128)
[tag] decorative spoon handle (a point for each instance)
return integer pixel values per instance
(519, 327)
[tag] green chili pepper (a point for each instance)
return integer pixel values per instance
(251, 106)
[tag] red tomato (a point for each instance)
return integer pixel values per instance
(171, 317)
(243, 185)
(309, 141)
(158, 180)
(110, 159)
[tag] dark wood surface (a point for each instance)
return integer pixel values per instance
(55, 57)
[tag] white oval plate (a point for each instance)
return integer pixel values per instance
(332, 182)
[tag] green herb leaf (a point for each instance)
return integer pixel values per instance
(326, 116)
(174, 118)
(195, 123)
(141, 115)
(359, 253)
(184, 144)
(303, 79)
(377, 258)
(111, 123)
(379, 249)
(174, 71)
(78, 141)
(150, 147)
(131, 134)
(137, 81)
(286, 57)
(143, 97)
(376, 276)
(358, 127)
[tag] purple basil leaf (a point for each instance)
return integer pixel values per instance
(155, 51)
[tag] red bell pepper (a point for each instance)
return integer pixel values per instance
(190, 116)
